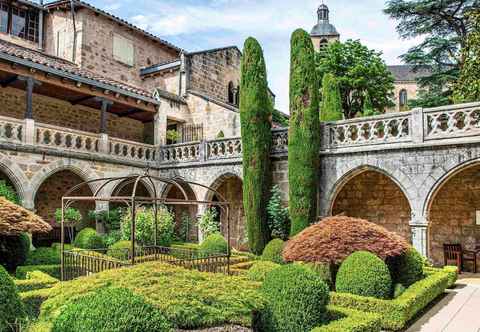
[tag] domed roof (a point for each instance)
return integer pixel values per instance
(324, 29)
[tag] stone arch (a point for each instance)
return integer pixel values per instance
(122, 188)
(230, 186)
(18, 180)
(451, 207)
(373, 194)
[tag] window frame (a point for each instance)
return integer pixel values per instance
(403, 98)
(31, 21)
(118, 57)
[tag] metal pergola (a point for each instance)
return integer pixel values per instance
(134, 202)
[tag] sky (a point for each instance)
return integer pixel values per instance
(203, 24)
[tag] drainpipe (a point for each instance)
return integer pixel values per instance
(40, 28)
(74, 51)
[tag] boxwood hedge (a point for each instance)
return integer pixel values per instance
(52, 270)
(35, 280)
(348, 320)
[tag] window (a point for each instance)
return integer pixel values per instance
(323, 44)
(403, 98)
(123, 50)
(231, 93)
(20, 22)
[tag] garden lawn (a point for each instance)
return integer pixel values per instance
(190, 299)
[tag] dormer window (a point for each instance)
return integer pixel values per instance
(19, 21)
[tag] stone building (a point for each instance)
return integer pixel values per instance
(405, 84)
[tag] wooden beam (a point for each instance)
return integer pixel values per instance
(83, 89)
(130, 112)
(29, 98)
(80, 100)
(9, 81)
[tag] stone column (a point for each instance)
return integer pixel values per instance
(417, 125)
(160, 124)
(202, 208)
(419, 227)
(29, 132)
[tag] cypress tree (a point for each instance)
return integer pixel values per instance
(331, 100)
(304, 133)
(368, 106)
(255, 112)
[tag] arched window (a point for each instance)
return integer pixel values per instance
(403, 98)
(323, 43)
(231, 93)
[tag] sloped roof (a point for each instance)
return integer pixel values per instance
(79, 3)
(15, 219)
(408, 73)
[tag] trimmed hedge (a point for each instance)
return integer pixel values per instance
(43, 256)
(324, 271)
(297, 300)
(397, 312)
(189, 298)
(407, 269)
(273, 251)
(260, 269)
(451, 271)
(35, 280)
(111, 310)
(363, 273)
(348, 320)
(88, 238)
(32, 301)
(11, 308)
(52, 270)
(14, 250)
(120, 250)
(214, 244)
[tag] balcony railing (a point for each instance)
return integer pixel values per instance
(450, 125)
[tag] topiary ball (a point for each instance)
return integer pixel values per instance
(11, 307)
(260, 269)
(407, 269)
(14, 250)
(214, 244)
(111, 310)
(363, 273)
(273, 251)
(88, 238)
(297, 300)
(121, 249)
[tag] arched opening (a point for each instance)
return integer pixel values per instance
(452, 213)
(323, 44)
(375, 197)
(231, 188)
(403, 98)
(8, 188)
(231, 93)
(125, 189)
(186, 227)
(48, 199)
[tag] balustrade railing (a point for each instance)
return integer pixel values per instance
(131, 150)
(11, 130)
(68, 139)
(280, 140)
(452, 122)
(185, 152)
(224, 148)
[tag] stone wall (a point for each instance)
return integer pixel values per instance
(374, 197)
(452, 213)
(211, 71)
(61, 113)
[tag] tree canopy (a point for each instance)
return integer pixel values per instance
(443, 26)
(359, 72)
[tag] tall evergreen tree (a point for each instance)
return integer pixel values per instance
(255, 112)
(368, 109)
(468, 86)
(304, 133)
(331, 100)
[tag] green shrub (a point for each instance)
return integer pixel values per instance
(8, 192)
(43, 256)
(109, 218)
(112, 237)
(32, 300)
(185, 226)
(324, 271)
(111, 310)
(348, 320)
(273, 251)
(120, 250)
(11, 308)
(297, 300)
(14, 250)
(396, 313)
(208, 223)
(88, 238)
(363, 273)
(71, 218)
(52, 270)
(278, 219)
(145, 227)
(451, 271)
(260, 269)
(214, 244)
(189, 298)
(331, 109)
(398, 290)
(407, 269)
(35, 280)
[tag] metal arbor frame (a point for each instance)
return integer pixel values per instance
(134, 202)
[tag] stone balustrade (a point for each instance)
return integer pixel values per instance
(419, 126)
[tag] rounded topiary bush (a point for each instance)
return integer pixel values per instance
(214, 244)
(111, 310)
(297, 300)
(260, 269)
(88, 238)
(273, 251)
(11, 307)
(120, 250)
(14, 250)
(407, 269)
(363, 273)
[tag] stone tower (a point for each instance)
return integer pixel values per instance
(323, 32)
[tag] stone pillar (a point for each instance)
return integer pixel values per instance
(417, 125)
(419, 235)
(160, 124)
(103, 144)
(201, 209)
(29, 132)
